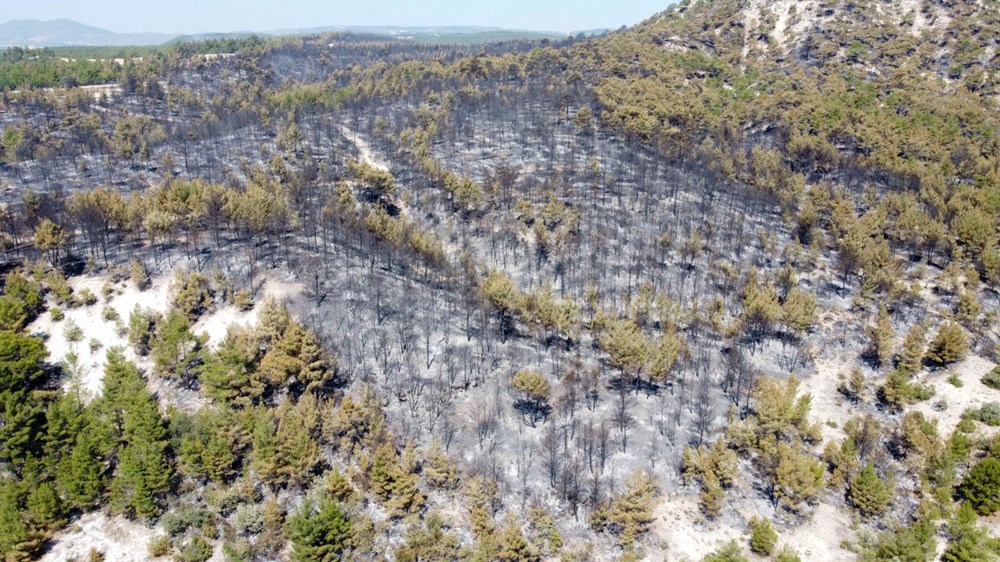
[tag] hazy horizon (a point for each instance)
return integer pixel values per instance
(224, 16)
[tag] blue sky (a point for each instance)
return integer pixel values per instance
(196, 16)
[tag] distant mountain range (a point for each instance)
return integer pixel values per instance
(64, 32)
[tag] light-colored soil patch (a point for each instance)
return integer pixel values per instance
(919, 20)
(950, 401)
(819, 538)
(118, 538)
(91, 358)
(781, 9)
(680, 525)
(991, 524)
(828, 404)
(689, 537)
(217, 324)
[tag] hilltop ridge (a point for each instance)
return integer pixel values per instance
(65, 33)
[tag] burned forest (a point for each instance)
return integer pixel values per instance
(720, 286)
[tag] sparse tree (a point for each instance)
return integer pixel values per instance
(949, 344)
(534, 386)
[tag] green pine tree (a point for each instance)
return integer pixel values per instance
(177, 353)
(45, 509)
(228, 374)
(65, 419)
(763, 538)
(949, 344)
(22, 418)
(296, 445)
(880, 337)
(143, 472)
(140, 330)
(132, 493)
(981, 487)
(869, 493)
(81, 474)
(121, 382)
(264, 458)
(17, 540)
(319, 531)
(969, 542)
(204, 447)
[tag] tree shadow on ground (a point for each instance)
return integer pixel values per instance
(532, 410)
(636, 384)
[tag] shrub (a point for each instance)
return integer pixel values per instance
(729, 552)
(110, 314)
(240, 551)
(72, 331)
(173, 524)
(248, 519)
(57, 314)
(953, 380)
(992, 378)
(988, 414)
(196, 550)
(179, 521)
(86, 298)
(159, 546)
(787, 554)
(965, 425)
(107, 291)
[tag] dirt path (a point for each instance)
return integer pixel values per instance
(364, 149)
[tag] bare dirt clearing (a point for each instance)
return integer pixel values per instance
(101, 333)
(119, 539)
(688, 536)
(950, 401)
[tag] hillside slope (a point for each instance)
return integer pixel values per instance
(673, 291)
